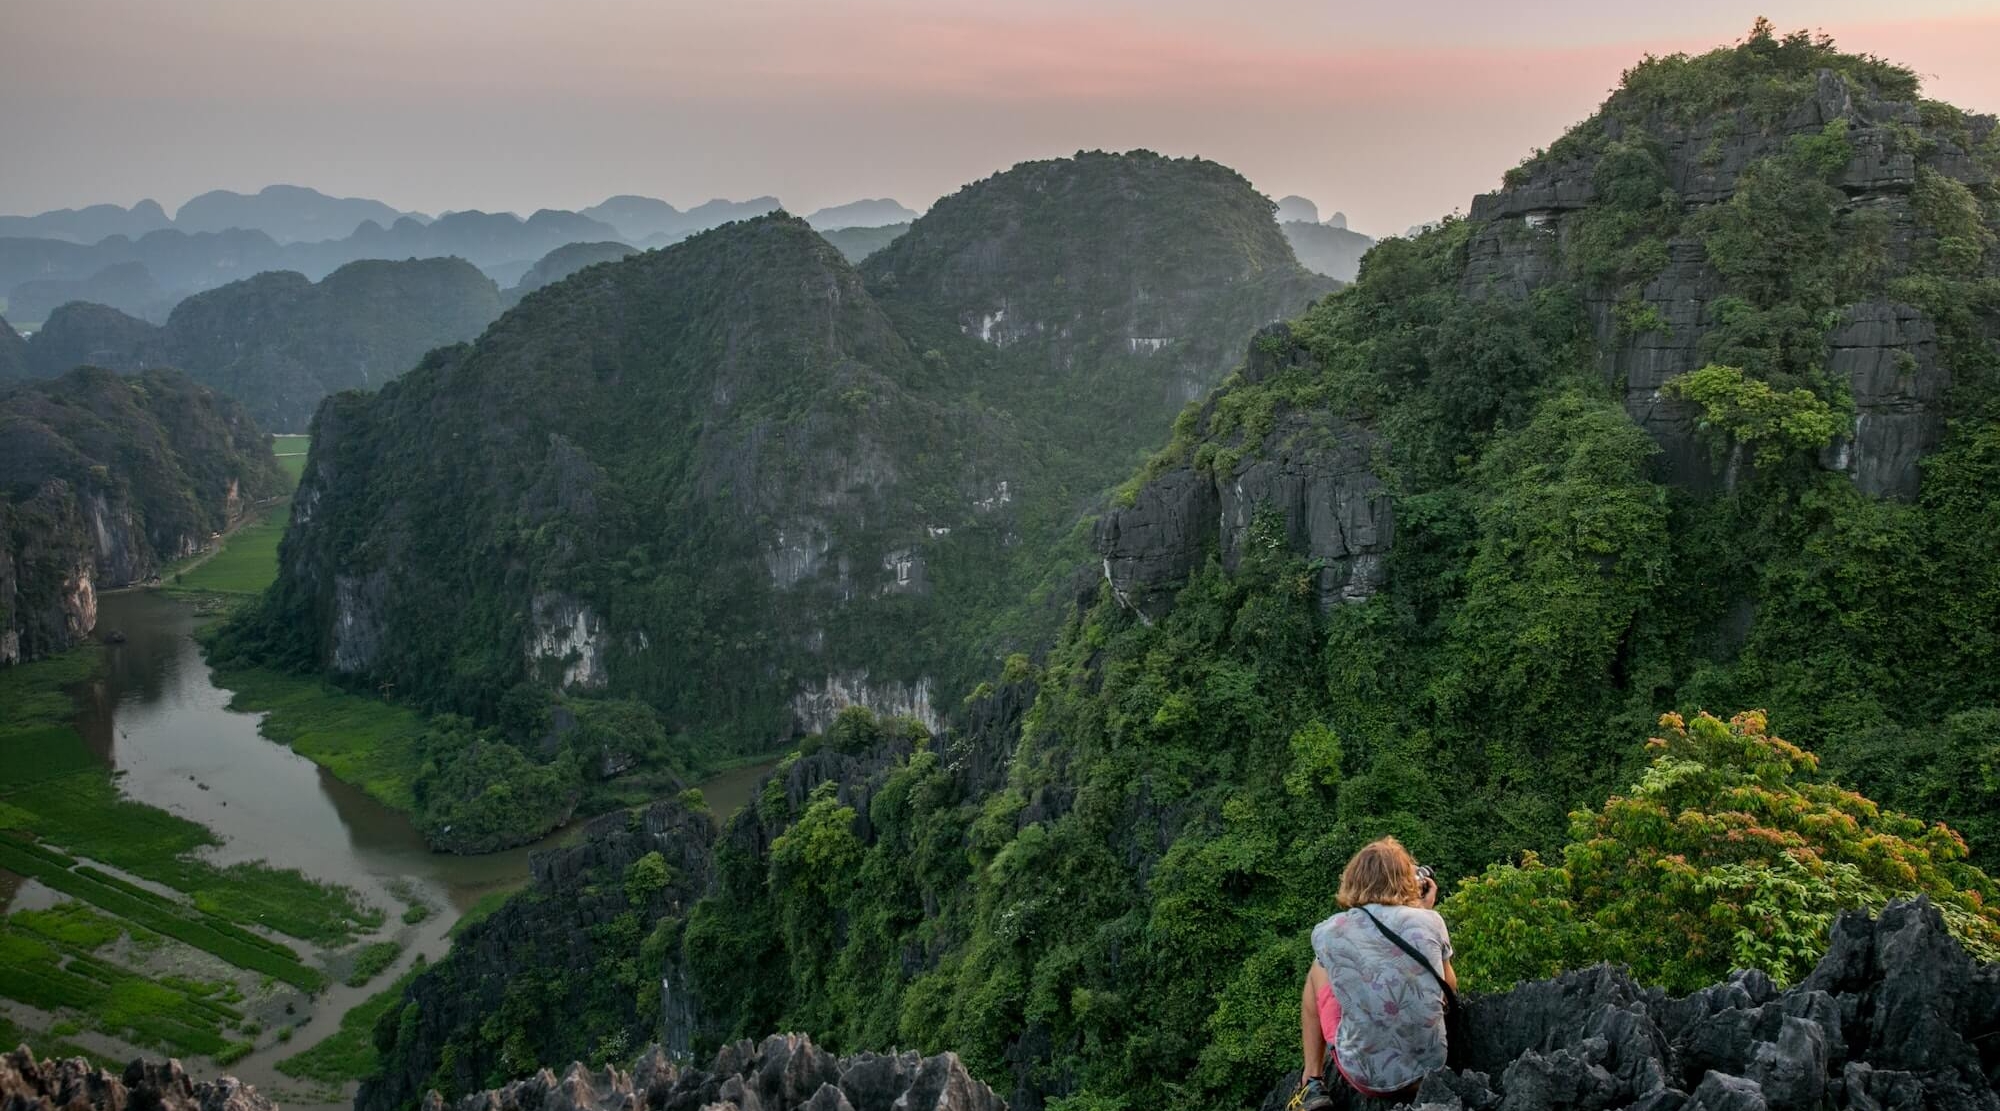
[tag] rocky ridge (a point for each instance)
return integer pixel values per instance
(784, 1072)
(75, 1084)
(1883, 351)
(13, 354)
(1895, 1016)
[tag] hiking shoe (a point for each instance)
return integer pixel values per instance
(1311, 1096)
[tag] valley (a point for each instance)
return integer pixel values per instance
(202, 890)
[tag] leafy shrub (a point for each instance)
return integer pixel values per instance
(1723, 855)
(1744, 410)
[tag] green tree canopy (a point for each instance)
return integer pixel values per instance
(1726, 854)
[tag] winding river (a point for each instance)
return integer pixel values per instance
(164, 727)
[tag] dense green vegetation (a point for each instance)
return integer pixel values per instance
(1721, 857)
(1124, 919)
(370, 960)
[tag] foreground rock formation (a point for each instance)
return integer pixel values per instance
(30, 1085)
(1895, 1016)
(784, 1072)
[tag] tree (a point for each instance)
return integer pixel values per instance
(1724, 855)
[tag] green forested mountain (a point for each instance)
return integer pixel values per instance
(102, 480)
(749, 485)
(279, 343)
(1697, 411)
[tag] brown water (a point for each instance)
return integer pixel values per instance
(160, 722)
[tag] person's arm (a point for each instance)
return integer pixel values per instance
(1450, 977)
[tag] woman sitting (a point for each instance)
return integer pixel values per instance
(1368, 1007)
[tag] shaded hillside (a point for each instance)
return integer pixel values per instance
(14, 364)
(184, 263)
(1323, 249)
(102, 480)
(702, 475)
(655, 223)
(89, 223)
(127, 286)
(1697, 411)
(564, 261)
(855, 244)
(83, 334)
(279, 343)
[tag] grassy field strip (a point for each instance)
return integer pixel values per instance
(246, 563)
(363, 741)
(187, 925)
(48, 961)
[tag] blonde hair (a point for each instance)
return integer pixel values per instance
(1382, 872)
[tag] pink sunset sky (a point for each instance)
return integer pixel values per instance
(1393, 113)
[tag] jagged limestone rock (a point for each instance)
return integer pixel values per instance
(1895, 1015)
(76, 1085)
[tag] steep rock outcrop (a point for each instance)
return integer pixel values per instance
(102, 481)
(1884, 353)
(1896, 1015)
(1316, 474)
(1141, 271)
(76, 1085)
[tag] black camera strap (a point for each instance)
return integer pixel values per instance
(1450, 996)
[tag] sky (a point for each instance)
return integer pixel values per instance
(1395, 113)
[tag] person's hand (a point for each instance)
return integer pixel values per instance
(1427, 890)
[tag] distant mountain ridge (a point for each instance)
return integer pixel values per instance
(877, 213)
(279, 342)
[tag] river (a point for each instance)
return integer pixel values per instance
(164, 727)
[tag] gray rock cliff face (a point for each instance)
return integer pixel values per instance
(1885, 353)
(1318, 477)
(104, 480)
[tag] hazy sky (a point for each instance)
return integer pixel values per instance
(1394, 112)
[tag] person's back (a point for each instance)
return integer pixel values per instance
(1391, 1029)
(1368, 1007)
